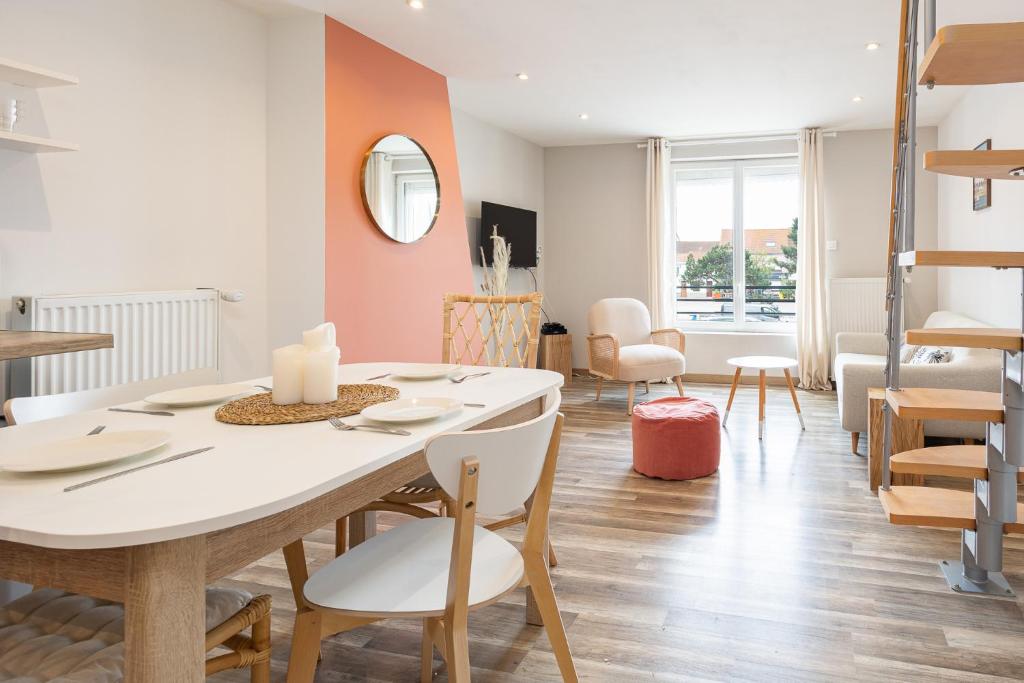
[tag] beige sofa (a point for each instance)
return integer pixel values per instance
(860, 364)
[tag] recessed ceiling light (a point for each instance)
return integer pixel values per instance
(415, 4)
(584, 117)
(858, 98)
(523, 76)
(872, 46)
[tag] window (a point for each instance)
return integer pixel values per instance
(736, 233)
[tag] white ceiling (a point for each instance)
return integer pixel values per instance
(673, 68)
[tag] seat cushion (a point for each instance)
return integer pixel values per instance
(649, 361)
(57, 637)
(405, 572)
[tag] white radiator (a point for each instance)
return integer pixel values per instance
(155, 334)
(856, 304)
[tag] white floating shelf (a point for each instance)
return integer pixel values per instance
(32, 76)
(30, 143)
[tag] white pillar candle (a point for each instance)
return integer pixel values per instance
(320, 381)
(289, 362)
(320, 336)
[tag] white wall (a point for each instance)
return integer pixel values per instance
(497, 166)
(594, 247)
(992, 296)
(857, 196)
(596, 231)
(295, 176)
(168, 190)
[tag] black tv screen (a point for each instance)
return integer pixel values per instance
(517, 226)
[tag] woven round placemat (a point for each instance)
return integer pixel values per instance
(259, 410)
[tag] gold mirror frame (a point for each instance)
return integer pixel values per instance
(366, 203)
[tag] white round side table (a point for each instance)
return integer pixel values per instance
(762, 364)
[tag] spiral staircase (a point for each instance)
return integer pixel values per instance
(972, 54)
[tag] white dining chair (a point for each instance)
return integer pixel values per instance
(33, 408)
(439, 569)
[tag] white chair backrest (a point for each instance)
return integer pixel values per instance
(34, 408)
(511, 460)
(628, 319)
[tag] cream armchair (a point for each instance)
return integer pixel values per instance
(622, 347)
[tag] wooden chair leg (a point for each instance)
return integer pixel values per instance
(298, 573)
(552, 560)
(679, 383)
(305, 647)
(260, 671)
(647, 386)
(456, 642)
(600, 383)
(340, 536)
(631, 398)
(854, 441)
(544, 593)
(427, 653)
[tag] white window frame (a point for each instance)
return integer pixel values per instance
(738, 165)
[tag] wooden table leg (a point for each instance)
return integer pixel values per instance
(165, 612)
(361, 526)
(732, 394)
(796, 403)
(761, 381)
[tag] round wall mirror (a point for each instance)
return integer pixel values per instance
(401, 191)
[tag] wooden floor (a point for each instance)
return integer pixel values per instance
(778, 568)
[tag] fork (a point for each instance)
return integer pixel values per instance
(460, 380)
(345, 427)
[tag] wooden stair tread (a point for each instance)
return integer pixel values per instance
(928, 506)
(976, 163)
(1007, 339)
(975, 54)
(968, 259)
(966, 462)
(946, 404)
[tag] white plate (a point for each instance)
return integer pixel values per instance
(424, 371)
(81, 452)
(411, 409)
(203, 395)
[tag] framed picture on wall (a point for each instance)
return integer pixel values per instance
(981, 190)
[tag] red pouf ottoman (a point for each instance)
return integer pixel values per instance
(676, 438)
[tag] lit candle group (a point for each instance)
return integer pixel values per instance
(308, 372)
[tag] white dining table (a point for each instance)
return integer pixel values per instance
(153, 539)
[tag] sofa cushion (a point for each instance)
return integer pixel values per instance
(649, 361)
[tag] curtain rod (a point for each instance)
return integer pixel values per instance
(694, 142)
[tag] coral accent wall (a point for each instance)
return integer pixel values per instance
(385, 297)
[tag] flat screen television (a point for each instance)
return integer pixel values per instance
(517, 226)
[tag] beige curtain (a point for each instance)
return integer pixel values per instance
(661, 293)
(812, 344)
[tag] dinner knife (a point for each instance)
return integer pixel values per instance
(115, 475)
